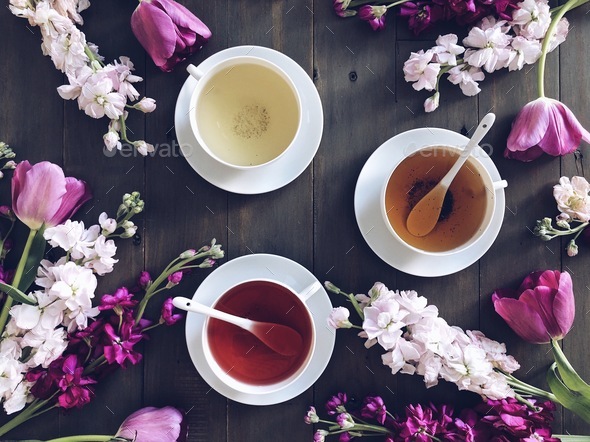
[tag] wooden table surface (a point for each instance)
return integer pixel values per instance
(358, 74)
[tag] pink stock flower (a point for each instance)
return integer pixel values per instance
(374, 15)
(41, 194)
(152, 424)
(175, 278)
(374, 408)
(118, 347)
(144, 280)
(340, 8)
(545, 307)
(542, 126)
(168, 31)
(167, 316)
(118, 301)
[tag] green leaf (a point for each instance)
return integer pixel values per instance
(570, 377)
(571, 400)
(16, 294)
(36, 254)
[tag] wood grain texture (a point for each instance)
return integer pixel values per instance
(366, 101)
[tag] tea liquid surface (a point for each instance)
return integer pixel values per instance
(243, 356)
(464, 207)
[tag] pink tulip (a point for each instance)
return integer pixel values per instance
(545, 307)
(542, 126)
(168, 31)
(152, 424)
(41, 194)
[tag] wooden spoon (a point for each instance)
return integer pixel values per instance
(424, 215)
(279, 338)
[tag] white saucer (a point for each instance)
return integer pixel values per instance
(276, 174)
(367, 206)
(262, 266)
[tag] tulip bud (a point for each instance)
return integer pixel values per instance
(146, 105)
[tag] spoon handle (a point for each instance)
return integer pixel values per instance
(482, 129)
(191, 306)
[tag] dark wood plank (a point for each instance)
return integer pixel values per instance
(110, 175)
(187, 212)
(575, 77)
(356, 71)
(262, 223)
(516, 251)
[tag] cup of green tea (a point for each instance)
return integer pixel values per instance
(238, 358)
(468, 208)
(245, 111)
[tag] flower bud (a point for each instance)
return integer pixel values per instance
(112, 140)
(207, 263)
(6, 212)
(572, 249)
(143, 148)
(546, 237)
(144, 280)
(187, 254)
(108, 225)
(431, 103)
(146, 105)
(563, 224)
(174, 279)
(331, 287)
(311, 416)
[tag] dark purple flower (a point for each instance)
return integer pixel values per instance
(336, 404)
(374, 15)
(167, 316)
(168, 31)
(374, 408)
(421, 15)
(64, 375)
(174, 278)
(119, 301)
(419, 424)
(87, 343)
(345, 437)
(144, 280)
(118, 347)
(6, 275)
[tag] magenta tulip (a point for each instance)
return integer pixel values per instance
(41, 194)
(544, 126)
(152, 424)
(168, 31)
(545, 307)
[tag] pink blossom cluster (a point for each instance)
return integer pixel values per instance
(490, 45)
(100, 89)
(418, 341)
(491, 420)
(37, 335)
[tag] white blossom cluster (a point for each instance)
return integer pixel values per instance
(489, 46)
(418, 341)
(36, 335)
(101, 89)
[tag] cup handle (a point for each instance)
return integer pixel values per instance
(195, 72)
(500, 184)
(309, 291)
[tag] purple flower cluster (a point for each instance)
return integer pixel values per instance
(422, 15)
(107, 343)
(493, 420)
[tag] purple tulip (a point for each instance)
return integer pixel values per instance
(152, 424)
(542, 126)
(41, 194)
(545, 307)
(168, 31)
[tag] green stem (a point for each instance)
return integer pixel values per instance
(18, 274)
(85, 438)
(95, 364)
(547, 40)
(525, 388)
(23, 416)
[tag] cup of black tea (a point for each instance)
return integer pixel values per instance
(242, 361)
(468, 207)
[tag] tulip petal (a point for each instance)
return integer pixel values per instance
(541, 300)
(184, 18)
(155, 31)
(77, 193)
(564, 305)
(564, 133)
(530, 329)
(548, 278)
(529, 127)
(40, 191)
(154, 425)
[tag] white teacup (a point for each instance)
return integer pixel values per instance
(239, 359)
(467, 213)
(245, 111)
